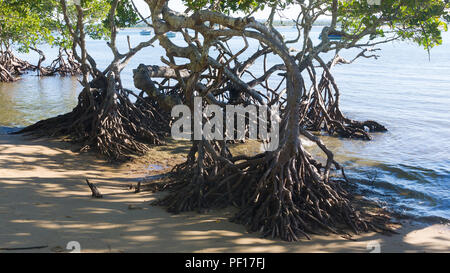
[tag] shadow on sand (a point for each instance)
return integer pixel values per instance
(44, 201)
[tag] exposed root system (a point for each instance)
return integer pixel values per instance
(107, 122)
(321, 110)
(12, 67)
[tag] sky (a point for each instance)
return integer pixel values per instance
(177, 5)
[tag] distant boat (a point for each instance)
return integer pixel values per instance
(170, 34)
(332, 37)
(146, 32)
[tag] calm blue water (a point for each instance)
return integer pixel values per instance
(406, 169)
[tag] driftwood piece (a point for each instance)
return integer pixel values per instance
(22, 248)
(138, 187)
(142, 77)
(95, 192)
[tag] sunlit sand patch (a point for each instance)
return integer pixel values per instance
(141, 238)
(226, 233)
(139, 228)
(246, 249)
(22, 234)
(93, 210)
(421, 237)
(81, 226)
(23, 221)
(194, 238)
(11, 182)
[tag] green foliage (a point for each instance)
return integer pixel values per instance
(420, 21)
(26, 23)
(96, 16)
(95, 13)
(31, 22)
(125, 15)
(228, 6)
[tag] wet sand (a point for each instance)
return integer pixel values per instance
(44, 201)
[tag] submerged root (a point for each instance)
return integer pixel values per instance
(321, 109)
(11, 67)
(331, 120)
(64, 65)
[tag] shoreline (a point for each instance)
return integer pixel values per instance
(44, 201)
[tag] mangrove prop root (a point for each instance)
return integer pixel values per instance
(107, 122)
(191, 180)
(321, 110)
(285, 193)
(286, 200)
(64, 65)
(12, 67)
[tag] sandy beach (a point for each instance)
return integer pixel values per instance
(45, 202)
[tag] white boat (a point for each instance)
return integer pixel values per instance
(170, 34)
(145, 32)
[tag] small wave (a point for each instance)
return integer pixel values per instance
(419, 174)
(417, 192)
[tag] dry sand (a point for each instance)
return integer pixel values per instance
(44, 201)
